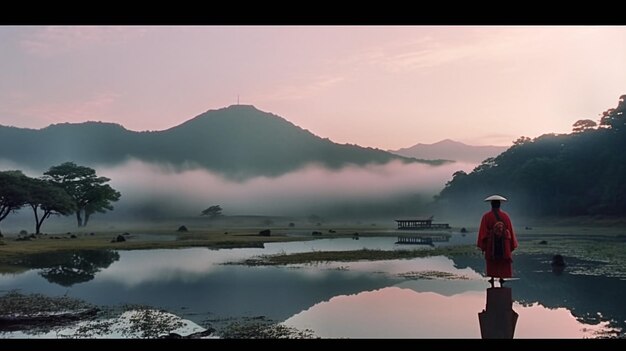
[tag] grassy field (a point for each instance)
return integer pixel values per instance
(157, 237)
(11, 250)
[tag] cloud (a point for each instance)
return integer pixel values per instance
(55, 40)
(303, 89)
(439, 49)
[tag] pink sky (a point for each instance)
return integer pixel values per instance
(379, 86)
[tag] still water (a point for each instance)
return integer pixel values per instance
(395, 298)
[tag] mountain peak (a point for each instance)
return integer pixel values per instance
(242, 107)
(449, 149)
(447, 142)
(233, 116)
(231, 109)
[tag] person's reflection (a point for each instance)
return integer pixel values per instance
(498, 320)
(558, 264)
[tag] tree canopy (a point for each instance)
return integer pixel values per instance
(615, 118)
(583, 125)
(47, 199)
(13, 194)
(89, 192)
(64, 189)
(213, 211)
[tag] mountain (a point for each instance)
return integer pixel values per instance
(238, 141)
(451, 150)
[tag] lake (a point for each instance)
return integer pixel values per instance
(418, 298)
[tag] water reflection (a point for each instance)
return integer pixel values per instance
(403, 313)
(592, 299)
(67, 268)
(223, 292)
(343, 299)
(498, 320)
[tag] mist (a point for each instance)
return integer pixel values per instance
(187, 192)
(155, 190)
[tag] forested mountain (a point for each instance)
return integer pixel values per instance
(582, 173)
(451, 150)
(238, 141)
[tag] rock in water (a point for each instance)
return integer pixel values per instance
(119, 239)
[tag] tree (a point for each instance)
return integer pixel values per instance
(89, 192)
(48, 198)
(12, 193)
(100, 200)
(583, 125)
(615, 118)
(522, 140)
(213, 211)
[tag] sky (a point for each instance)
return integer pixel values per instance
(379, 86)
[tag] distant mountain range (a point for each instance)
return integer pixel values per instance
(238, 141)
(451, 150)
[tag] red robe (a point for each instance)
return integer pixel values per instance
(498, 268)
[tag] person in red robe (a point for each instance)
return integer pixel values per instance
(497, 240)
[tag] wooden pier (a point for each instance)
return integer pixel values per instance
(420, 224)
(422, 240)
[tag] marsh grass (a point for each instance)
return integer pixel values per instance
(39, 314)
(14, 304)
(607, 251)
(432, 275)
(356, 255)
(262, 328)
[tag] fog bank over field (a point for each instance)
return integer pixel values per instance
(296, 193)
(156, 190)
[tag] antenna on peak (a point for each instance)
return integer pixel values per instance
(237, 99)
